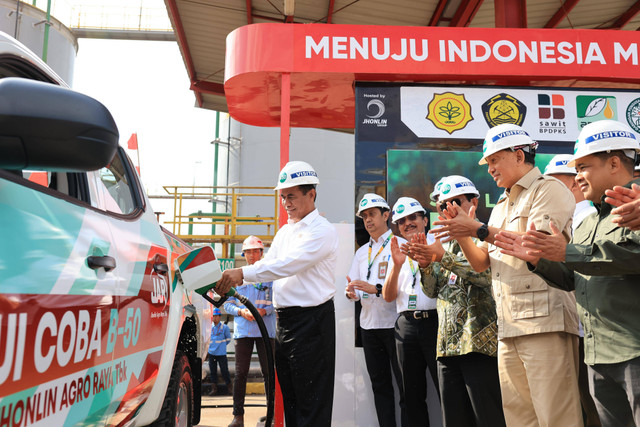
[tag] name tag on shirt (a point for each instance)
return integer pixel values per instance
(413, 302)
(365, 295)
(452, 279)
(382, 270)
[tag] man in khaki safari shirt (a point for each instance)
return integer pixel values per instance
(537, 325)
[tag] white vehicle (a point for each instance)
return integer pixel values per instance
(95, 328)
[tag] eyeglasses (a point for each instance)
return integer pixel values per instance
(411, 217)
(443, 205)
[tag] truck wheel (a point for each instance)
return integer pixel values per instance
(177, 408)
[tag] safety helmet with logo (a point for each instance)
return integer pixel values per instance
(296, 173)
(372, 200)
(406, 206)
(605, 136)
(436, 190)
(456, 185)
(252, 242)
(558, 165)
(216, 312)
(506, 135)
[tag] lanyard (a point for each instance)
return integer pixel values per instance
(258, 286)
(414, 271)
(370, 261)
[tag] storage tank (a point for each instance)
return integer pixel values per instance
(26, 23)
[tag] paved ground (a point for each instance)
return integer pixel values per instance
(217, 411)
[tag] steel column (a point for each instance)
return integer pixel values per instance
(511, 13)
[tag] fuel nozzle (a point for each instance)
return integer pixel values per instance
(199, 271)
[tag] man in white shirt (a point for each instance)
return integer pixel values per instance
(377, 317)
(301, 262)
(417, 323)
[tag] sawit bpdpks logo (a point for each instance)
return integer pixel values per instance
(504, 108)
(449, 111)
(551, 114)
(375, 110)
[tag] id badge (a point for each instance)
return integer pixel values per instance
(452, 279)
(365, 295)
(382, 270)
(413, 302)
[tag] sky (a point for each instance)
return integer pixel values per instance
(145, 86)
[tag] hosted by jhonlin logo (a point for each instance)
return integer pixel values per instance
(375, 110)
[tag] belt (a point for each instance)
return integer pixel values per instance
(297, 310)
(419, 314)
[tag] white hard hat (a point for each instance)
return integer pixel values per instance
(252, 242)
(406, 206)
(371, 200)
(605, 135)
(504, 136)
(455, 185)
(558, 165)
(296, 173)
(436, 190)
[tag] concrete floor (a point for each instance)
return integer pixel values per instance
(217, 411)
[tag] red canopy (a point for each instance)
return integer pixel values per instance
(324, 61)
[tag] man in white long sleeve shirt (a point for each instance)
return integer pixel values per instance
(377, 317)
(301, 262)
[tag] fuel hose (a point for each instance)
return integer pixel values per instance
(271, 375)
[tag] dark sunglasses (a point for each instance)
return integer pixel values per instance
(443, 205)
(411, 217)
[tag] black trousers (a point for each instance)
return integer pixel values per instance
(380, 353)
(615, 388)
(589, 411)
(470, 391)
(416, 345)
(306, 363)
(244, 350)
(224, 368)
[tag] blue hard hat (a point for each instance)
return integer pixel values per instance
(216, 312)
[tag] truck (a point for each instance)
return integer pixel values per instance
(95, 328)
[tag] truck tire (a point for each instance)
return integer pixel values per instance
(177, 408)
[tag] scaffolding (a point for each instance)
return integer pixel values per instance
(221, 227)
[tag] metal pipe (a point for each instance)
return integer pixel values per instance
(45, 47)
(214, 201)
(15, 31)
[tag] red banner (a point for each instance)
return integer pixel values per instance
(324, 59)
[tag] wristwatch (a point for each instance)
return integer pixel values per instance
(483, 232)
(378, 289)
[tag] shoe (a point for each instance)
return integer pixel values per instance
(238, 421)
(230, 389)
(214, 389)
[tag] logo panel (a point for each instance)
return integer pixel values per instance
(504, 108)
(375, 110)
(591, 108)
(633, 114)
(449, 111)
(551, 114)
